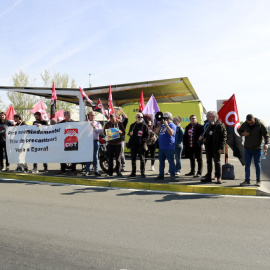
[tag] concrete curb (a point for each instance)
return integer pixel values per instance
(243, 191)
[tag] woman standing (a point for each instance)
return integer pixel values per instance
(151, 144)
(4, 123)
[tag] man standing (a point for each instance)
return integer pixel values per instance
(253, 130)
(166, 130)
(215, 137)
(64, 165)
(39, 121)
(138, 133)
(114, 146)
(193, 147)
(178, 144)
(97, 130)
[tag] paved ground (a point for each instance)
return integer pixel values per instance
(51, 226)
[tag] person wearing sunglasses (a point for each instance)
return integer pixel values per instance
(253, 130)
(139, 134)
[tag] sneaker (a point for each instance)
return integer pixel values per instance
(197, 175)
(120, 174)
(190, 174)
(109, 174)
(132, 175)
(173, 179)
(258, 183)
(206, 180)
(159, 178)
(152, 168)
(35, 170)
(87, 174)
(178, 173)
(7, 168)
(219, 181)
(143, 175)
(18, 169)
(97, 174)
(167, 173)
(245, 183)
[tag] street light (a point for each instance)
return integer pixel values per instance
(89, 79)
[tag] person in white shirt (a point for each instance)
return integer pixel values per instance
(97, 130)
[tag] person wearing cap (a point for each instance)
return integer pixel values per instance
(114, 146)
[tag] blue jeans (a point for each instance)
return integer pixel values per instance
(162, 155)
(178, 154)
(256, 154)
(95, 158)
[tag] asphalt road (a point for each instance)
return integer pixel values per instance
(75, 227)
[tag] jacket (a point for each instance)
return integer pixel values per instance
(198, 133)
(254, 140)
(179, 136)
(140, 134)
(219, 137)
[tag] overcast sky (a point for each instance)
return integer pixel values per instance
(223, 47)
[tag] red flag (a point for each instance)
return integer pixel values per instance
(228, 115)
(100, 108)
(110, 102)
(59, 115)
(10, 113)
(53, 102)
(40, 108)
(85, 97)
(141, 104)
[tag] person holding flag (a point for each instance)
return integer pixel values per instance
(253, 130)
(53, 102)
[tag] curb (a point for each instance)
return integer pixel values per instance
(242, 191)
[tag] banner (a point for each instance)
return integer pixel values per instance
(70, 142)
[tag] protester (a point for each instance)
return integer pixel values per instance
(21, 167)
(122, 117)
(193, 147)
(4, 123)
(253, 130)
(151, 144)
(178, 144)
(39, 121)
(97, 131)
(114, 146)
(67, 119)
(138, 133)
(166, 130)
(215, 140)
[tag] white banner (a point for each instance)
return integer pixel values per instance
(61, 143)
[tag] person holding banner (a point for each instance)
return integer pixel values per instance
(214, 137)
(64, 165)
(253, 130)
(114, 131)
(39, 121)
(4, 123)
(97, 130)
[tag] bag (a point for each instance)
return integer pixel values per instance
(228, 171)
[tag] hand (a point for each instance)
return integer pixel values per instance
(265, 147)
(245, 133)
(200, 138)
(220, 151)
(120, 131)
(130, 133)
(92, 124)
(165, 123)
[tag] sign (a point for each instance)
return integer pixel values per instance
(70, 142)
(112, 133)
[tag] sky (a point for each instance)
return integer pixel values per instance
(223, 47)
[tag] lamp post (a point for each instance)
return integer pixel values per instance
(89, 80)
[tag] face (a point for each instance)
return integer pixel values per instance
(251, 122)
(2, 116)
(16, 119)
(113, 119)
(212, 118)
(193, 120)
(38, 118)
(67, 116)
(150, 123)
(91, 116)
(139, 118)
(176, 122)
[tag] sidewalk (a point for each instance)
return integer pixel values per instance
(184, 184)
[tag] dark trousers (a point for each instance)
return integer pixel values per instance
(64, 166)
(151, 151)
(2, 150)
(141, 153)
(114, 152)
(45, 166)
(195, 153)
(210, 157)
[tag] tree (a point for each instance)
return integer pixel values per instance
(22, 103)
(60, 81)
(2, 105)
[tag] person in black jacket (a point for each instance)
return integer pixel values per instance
(193, 147)
(138, 133)
(4, 123)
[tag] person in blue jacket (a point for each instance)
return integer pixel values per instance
(178, 144)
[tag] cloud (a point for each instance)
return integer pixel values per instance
(10, 9)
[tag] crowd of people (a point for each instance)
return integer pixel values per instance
(167, 136)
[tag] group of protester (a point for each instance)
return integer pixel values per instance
(167, 135)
